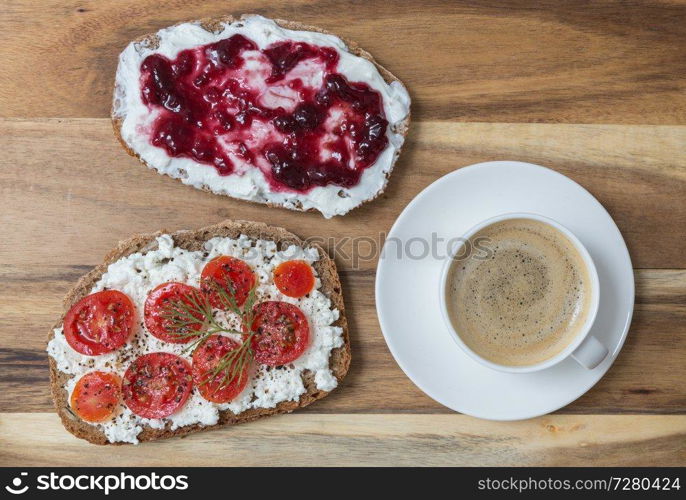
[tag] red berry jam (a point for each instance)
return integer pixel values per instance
(284, 110)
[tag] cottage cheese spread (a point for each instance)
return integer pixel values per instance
(139, 273)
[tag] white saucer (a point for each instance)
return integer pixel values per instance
(407, 288)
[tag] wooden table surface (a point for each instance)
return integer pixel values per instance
(595, 90)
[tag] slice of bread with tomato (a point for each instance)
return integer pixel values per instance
(195, 243)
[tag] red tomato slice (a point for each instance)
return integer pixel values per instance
(205, 360)
(157, 384)
(96, 396)
(281, 333)
(294, 278)
(231, 274)
(99, 323)
(156, 305)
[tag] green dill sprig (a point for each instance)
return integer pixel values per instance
(233, 363)
(194, 317)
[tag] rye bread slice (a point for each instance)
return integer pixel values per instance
(339, 360)
(214, 24)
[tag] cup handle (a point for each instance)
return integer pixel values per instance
(590, 353)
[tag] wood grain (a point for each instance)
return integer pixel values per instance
(575, 62)
(361, 440)
(656, 345)
(595, 90)
(74, 220)
(71, 174)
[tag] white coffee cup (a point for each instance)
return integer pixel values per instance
(585, 349)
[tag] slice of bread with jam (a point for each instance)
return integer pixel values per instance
(269, 111)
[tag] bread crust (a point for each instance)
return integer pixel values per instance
(213, 24)
(339, 360)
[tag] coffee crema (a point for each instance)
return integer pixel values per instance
(522, 294)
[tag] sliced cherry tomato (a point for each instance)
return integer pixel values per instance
(96, 396)
(205, 359)
(157, 384)
(157, 304)
(99, 323)
(294, 278)
(232, 275)
(281, 333)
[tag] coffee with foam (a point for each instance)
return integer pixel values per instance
(522, 295)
